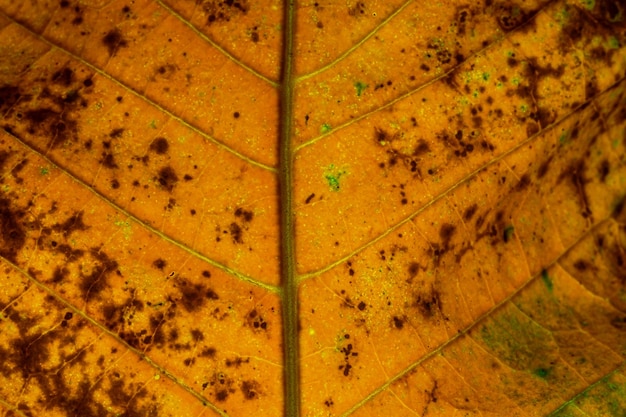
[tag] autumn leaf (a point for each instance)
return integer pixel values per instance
(237, 208)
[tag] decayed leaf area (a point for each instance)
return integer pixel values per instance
(458, 196)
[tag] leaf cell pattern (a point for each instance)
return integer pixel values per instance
(236, 208)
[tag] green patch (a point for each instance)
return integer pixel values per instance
(518, 341)
(44, 170)
(613, 42)
(542, 372)
(325, 128)
(153, 124)
(588, 4)
(547, 280)
(360, 87)
(332, 176)
(564, 138)
(508, 233)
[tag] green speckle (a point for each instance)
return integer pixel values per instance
(542, 372)
(44, 170)
(547, 280)
(589, 4)
(515, 81)
(360, 87)
(613, 42)
(153, 124)
(563, 139)
(486, 76)
(126, 227)
(508, 233)
(332, 176)
(523, 108)
(325, 128)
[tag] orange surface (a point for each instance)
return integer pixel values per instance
(459, 187)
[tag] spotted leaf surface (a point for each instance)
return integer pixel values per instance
(237, 208)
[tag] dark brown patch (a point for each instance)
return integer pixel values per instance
(73, 224)
(113, 40)
(469, 212)
(116, 133)
(194, 296)
(236, 232)
(159, 263)
(63, 77)
(95, 282)
(428, 303)
(245, 215)
(523, 183)
(543, 168)
(167, 178)
(250, 389)
(604, 169)
(160, 146)
(13, 236)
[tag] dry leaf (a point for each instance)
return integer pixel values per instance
(239, 208)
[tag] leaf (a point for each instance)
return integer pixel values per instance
(316, 209)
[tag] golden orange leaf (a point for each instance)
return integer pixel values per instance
(237, 208)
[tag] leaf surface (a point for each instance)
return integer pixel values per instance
(320, 209)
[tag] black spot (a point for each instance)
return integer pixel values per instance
(398, 323)
(206, 274)
(115, 184)
(159, 146)
(254, 36)
(114, 40)
(361, 306)
(236, 115)
(309, 198)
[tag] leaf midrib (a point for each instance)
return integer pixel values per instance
(289, 279)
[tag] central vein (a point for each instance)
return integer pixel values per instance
(287, 245)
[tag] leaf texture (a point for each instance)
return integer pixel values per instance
(236, 208)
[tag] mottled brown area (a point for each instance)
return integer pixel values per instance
(94, 281)
(13, 235)
(223, 11)
(167, 178)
